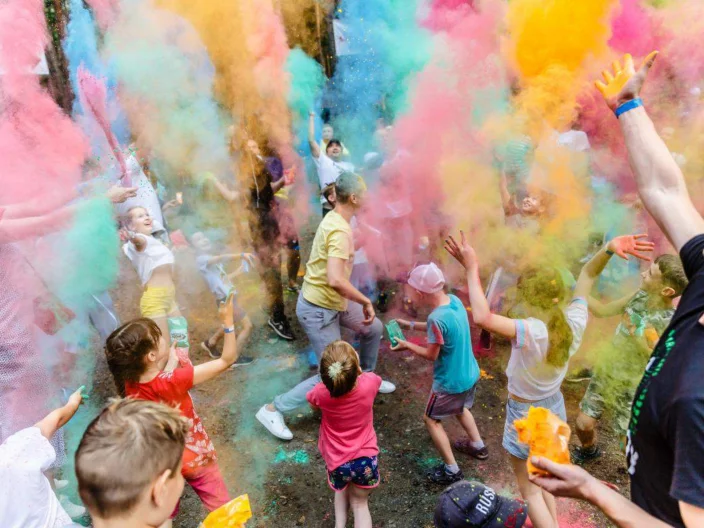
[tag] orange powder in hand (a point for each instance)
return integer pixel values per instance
(546, 434)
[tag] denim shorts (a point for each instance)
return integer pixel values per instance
(516, 410)
(363, 472)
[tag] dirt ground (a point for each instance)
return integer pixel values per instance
(286, 481)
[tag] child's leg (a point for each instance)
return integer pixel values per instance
(163, 324)
(244, 333)
(342, 504)
(293, 263)
(469, 425)
(359, 502)
(217, 336)
(210, 487)
(542, 514)
(440, 439)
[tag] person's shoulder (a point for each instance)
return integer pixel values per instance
(370, 379)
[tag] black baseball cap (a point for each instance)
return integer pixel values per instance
(474, 505)
(333, 142)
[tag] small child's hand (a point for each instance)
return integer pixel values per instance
(462, 252)
(631, 245)
(77, 397)
(227, 312)
(400, 344)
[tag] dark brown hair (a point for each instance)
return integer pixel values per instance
(126, 349)
(545, 289)
(673, 274)
(339, 368)
(128, 446)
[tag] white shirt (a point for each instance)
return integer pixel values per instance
(216, 277)
(146, 195)
(26, 497)
(529, 374)
(155, 254)
(329, 171)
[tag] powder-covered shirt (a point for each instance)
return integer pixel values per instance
(26, 497)
(529, 374)
(171, 388)
(215, 275)
(456, 369)
(329, 170)
(154, 255)
(665, 452)
(333, 238)
(347, 428)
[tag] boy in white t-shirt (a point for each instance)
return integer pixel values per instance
(220, 284)
(26, 497)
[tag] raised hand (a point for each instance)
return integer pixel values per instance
(624, 83)
(631, 245)
(117, 194)
(462, 252)
(227, 311)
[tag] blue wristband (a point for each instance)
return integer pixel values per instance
(628, 105)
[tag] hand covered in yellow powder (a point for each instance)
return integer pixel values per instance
(624, 83)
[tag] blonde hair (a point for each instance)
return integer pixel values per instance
(339, 368)
(129, 445)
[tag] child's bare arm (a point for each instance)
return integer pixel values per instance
(209, 370)
(600, 309)
(413, 325)
(314, 147)
(57, 418)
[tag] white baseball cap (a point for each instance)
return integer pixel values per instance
(427, 278)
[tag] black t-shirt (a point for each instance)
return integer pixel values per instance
(666, 434)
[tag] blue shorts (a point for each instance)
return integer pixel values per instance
(238, 312)
(516, 410)
(363, 472)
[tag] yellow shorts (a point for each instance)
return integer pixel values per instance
(158, 302)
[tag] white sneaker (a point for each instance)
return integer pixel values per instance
(386, 387)
(60, 484)
(274, 422)
(73, 510)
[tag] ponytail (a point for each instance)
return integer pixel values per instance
(559, 338)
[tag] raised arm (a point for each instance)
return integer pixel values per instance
(57, 418)
(210, 369)
(660, 182)
(314, 147)
(505, 195)
(16, 229)
(481, 313)
(621, 246)
(601, 309)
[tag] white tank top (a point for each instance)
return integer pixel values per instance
(155, 254)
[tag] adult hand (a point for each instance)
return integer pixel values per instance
(400, 344)
(462, 252)
(631, 245)
(118, 194)
(227, 312)
(369, 314)
(624, 84)
(403, 323)
(564, 480)
(290, 176)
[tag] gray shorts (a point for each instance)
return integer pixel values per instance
(443, 405)
(517, 410)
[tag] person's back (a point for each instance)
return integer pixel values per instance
(456, 369)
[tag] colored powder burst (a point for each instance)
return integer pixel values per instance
(167, 81)
(81, 48)
(388, 47)
(307, 82)
(295, 457)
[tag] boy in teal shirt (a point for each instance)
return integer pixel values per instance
(455, 372)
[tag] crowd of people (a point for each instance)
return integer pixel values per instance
(134, 457)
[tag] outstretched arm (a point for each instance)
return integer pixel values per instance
(314, 147)
(481, 313)
(207, 371)
(621, 246)
(660, 181)
(57, 418)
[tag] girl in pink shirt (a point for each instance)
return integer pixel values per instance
(347, 438)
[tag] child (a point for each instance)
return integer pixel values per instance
(645, 316)
(128, 464)
(154, 263)
(347, 437)
(143, 367)
(26, 497)
(541, 345)
(220, 283)
(455, 371)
